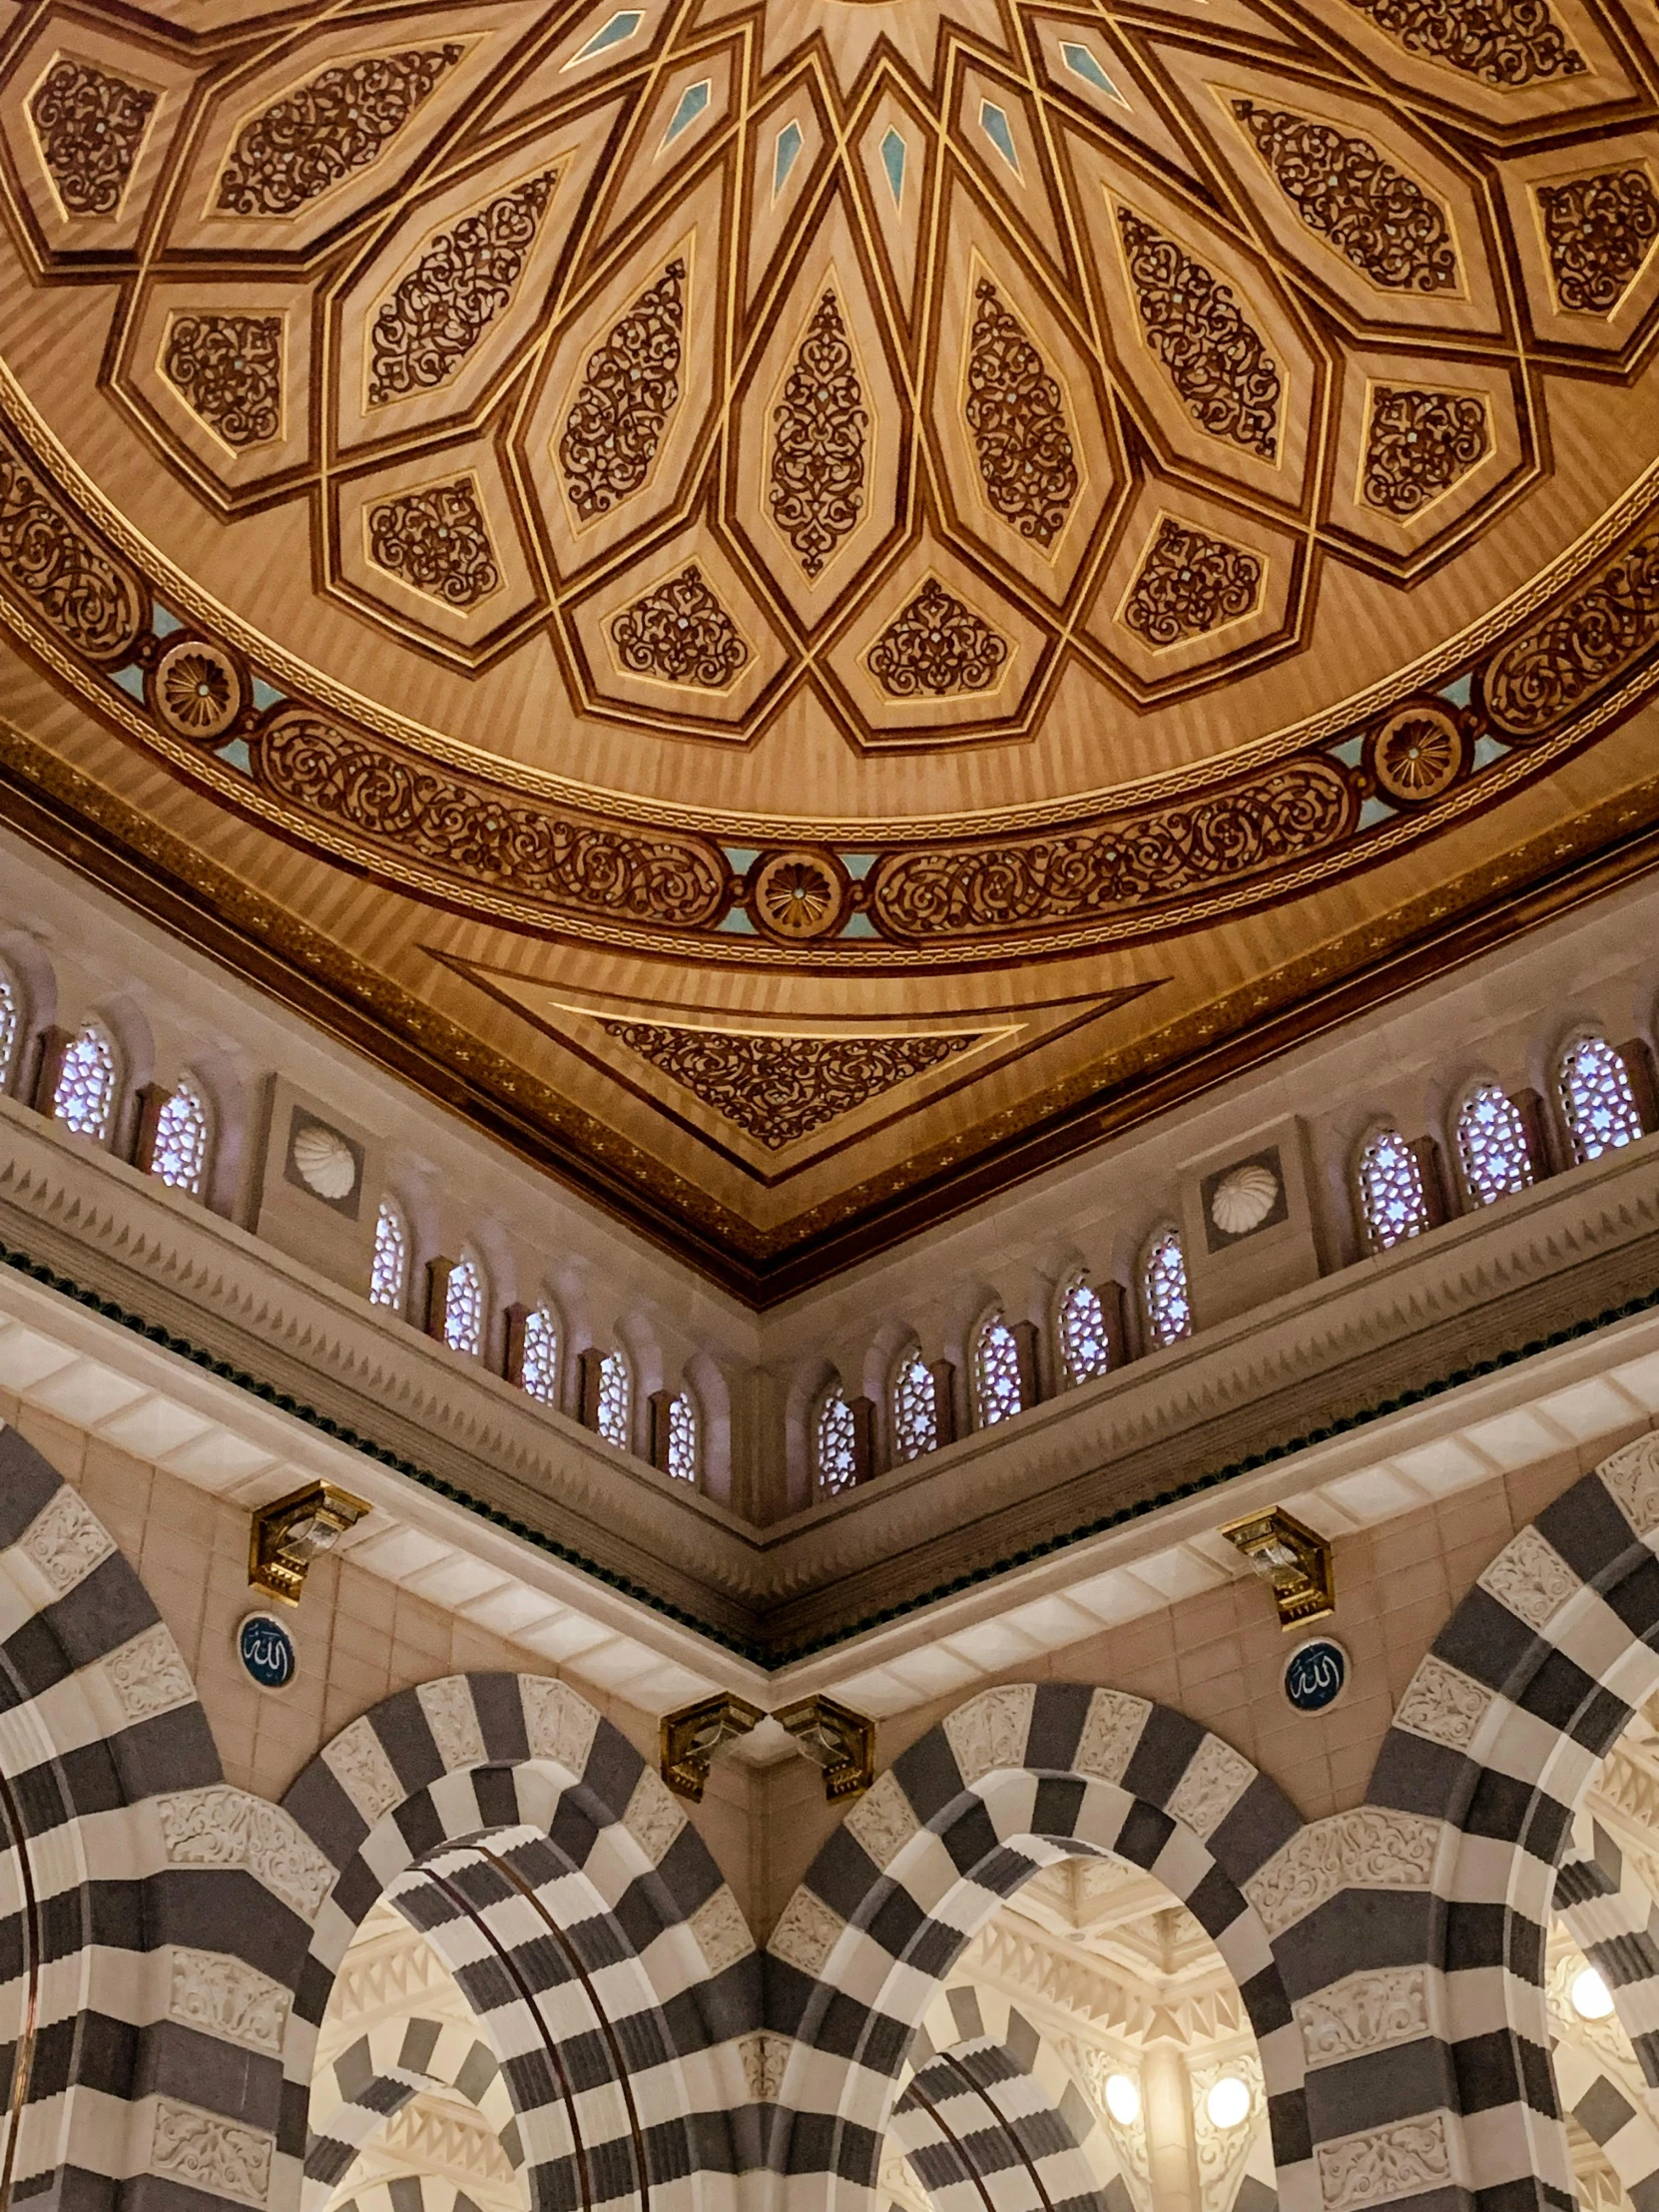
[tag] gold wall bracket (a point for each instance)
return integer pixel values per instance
(686, 1740)
(287, 1536)
(834, 1738)
(1295, 1561)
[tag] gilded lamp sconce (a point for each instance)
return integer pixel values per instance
(1291, 1557)
(288, 1534)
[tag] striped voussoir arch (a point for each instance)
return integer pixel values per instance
(609, 1966)
(1444, 2091)
(1608, 1909)
(380, 2072)
(1019, 1778)
(151, 1914)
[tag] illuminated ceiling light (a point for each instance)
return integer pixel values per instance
(1591, 1999)
(620, 27)
(1228, 2103)
(1123, 2098)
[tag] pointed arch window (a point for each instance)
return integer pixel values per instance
(682, 1438)
(464, 1303)
(998, 1389)
(1169, 1311)
(1393, 1201)
(915, 1409)
(1085, 1349)
(835, 1446)
(183, 1131)
(84, 1100)
(1491, 1145)
(388, 1280)
(613, 1417)
(1597, 1099)
(10, 1021)
(539, 1365)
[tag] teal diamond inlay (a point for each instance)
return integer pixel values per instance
(620, 27)
(1082, 63)
(693, 100)
(892, 161)
(999, 131)
(785, 156)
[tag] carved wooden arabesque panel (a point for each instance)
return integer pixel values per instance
(901, 367)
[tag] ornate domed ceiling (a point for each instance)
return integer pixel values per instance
(837, 491)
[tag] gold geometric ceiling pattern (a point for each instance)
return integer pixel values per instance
(919, 372)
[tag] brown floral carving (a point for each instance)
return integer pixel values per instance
(781, 1089)
(681, 634)
(1190, 583)
(1598, 231)
(1499, 42)
(1419, 444)
(479, 836)
(628, 391)
(1607, 624)
(438, 541)
(1020, 425)
(817, 456)
(1193, 324)
(936, 644)
(89, 127)
(341, 119)
(71, 583)
(968, 891)
(1346, 194)
(227, 369)
(424, 332)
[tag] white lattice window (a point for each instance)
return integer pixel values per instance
(463, 1306)
(1491, 1144)
(11, 1017)
(835, 1446)
(915, 1411)
(539, 1368)
(182, 1132)
(613, 1418)
(1393, 1201)
(1169, 1310)
(997, 1389)
(1598, 1100)
(84, 1100)
(682, 1438)
(388, 1280)
(1084, 1347)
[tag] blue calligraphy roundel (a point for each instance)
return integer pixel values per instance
(1316, 1674)
(266, 1651)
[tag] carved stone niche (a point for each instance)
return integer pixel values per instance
(1249, 1224)
(317, 1185)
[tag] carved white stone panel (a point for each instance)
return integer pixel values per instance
(1444, 1704)
(453, 1719)
(210, 2153)
(66, 1540)
(1110, 1734)
(1530, 1577)
(881, 1823)
(148, 1674)
(1369, 2010)
(221, 1826)
(990, 1730)
(1382, 2163)
(722, 1932)
(1370, 1848)
(357, 1761)
(806, 1932)
(1632, 1478)
(1221, 2152)
(764, 2060)
(1216, 1778)
(560, 1725)
(654, 1818)
(225, 1996)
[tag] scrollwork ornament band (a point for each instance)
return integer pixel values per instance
(340, 121)
(426, 331)
(1193, 324)
(629, 389)
(1374, 215)
(96, 605)
(476, 835)
(972, 890)
(820, 427)
(1590, 643)
(1014, 410)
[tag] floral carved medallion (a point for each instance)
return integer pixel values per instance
(1599, 232)
(1419, 444)
(617, 420)
(1348, 194)
(816, 490)
(1194, 325)
(227, 369)
(341, 119)
(1014, 410)
(680, 634)
(438, 541)
(935, 646)
(427, 329)
(1190, 583)
(90, 127)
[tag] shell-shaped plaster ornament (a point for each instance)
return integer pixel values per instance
(324, 1161)
(1244, 1198)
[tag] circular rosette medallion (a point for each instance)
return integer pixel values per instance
(1418, 754)
(197, 690)
(800, 894)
